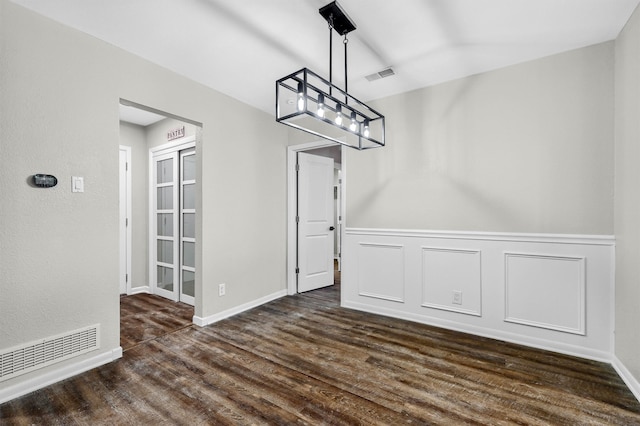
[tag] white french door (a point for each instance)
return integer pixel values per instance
(173, 202)
(167, 229)
(188, 226)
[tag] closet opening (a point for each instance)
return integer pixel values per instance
(158, 232)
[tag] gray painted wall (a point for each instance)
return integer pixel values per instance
(528, 148)
(59, 114)
(627, 200)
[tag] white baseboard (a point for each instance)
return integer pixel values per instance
(24, 387)
(596, 355)
(140, 290)
(631, 382)
(211, 319)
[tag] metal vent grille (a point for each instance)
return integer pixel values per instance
(380, 74)
(31, 356)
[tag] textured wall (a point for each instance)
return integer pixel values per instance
(528, 148)
(627, 204)
(59, 114)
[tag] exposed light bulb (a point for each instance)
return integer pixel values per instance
(320, 110)
(354, 124)
(339, 115)
(300, 97)
(366, 131)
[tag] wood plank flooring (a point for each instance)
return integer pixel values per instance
(304, 360)
(144, 317)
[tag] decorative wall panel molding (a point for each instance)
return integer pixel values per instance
(548, 291)
(545, 291)
(381, 274)
(452, 280)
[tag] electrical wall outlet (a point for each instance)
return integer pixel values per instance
(222, 289)
(457, 298)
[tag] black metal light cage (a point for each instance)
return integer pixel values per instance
(308, 102)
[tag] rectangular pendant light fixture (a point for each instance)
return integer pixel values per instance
(308, 102)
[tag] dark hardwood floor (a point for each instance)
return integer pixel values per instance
(305, 360)
(144, 317)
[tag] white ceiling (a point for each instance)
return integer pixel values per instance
(139, 116)
(240, 47)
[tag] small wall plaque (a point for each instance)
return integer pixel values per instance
(175, 133)
(44, 181)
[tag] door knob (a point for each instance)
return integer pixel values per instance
(331, 228)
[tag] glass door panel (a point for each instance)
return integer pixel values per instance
(189, 167)
(165, 197)
(189, 254)
(189, 225)
(189, 193)
(165, 252)
(164, 280)
(165, 224)
(164, 171)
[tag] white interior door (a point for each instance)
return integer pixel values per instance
(315, 222)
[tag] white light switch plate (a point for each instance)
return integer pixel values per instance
(77, 184)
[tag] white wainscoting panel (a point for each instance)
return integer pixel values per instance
(548, 291)
(545, 291)
(451, 280)
(381, 271)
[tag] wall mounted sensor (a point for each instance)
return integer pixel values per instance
(44, 181)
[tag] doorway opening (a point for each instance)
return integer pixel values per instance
(158, 235)
(315, 230)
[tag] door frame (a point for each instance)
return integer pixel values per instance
(127, 243)
(292, 201)
(175, 146)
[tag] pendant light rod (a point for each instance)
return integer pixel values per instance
(346, 80)
(330, 20)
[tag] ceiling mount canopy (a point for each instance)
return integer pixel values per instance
(337, 18)
(308, 102)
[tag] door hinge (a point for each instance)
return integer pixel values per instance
(297, 219)
(126, 278)
(126, 222)
(297, 167)
(126, 166)
(297, 270)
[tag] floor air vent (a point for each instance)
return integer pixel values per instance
(31, 356)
